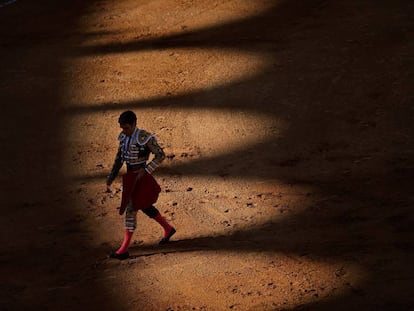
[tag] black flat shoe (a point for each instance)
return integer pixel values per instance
(167, 238)
(122, 256)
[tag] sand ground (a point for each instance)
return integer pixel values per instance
(288, 129)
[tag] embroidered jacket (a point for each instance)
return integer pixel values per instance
(135, 151)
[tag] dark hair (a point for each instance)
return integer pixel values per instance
(127, 117)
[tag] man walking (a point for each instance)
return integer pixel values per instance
(139, 188)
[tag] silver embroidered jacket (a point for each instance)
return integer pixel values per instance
(135, 151)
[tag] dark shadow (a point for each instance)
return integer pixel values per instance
(41, 268)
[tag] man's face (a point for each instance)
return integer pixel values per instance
(128, 129)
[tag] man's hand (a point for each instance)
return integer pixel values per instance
(108, 187)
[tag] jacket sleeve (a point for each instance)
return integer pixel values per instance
(115, 167)
(159, 155)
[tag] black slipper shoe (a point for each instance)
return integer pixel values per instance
(167, 238)
(122, 256)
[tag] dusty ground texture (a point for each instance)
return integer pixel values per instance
(288, 127)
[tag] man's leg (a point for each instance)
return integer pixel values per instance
(169, 230)
(130, 226)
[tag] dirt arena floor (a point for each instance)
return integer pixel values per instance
(288, 128)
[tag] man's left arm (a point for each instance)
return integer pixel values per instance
(159, 155)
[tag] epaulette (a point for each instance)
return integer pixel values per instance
(143, 137)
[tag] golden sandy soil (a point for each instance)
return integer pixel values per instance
(288, 129)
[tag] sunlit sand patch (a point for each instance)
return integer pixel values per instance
(270, 281)
(218, 207)
(179, 17)
(132, 78)
(206, 133)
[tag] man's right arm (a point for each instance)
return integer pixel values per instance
(115, 168)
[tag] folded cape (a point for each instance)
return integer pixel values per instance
(143, 192)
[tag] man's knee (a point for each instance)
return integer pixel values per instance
(151, 211)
